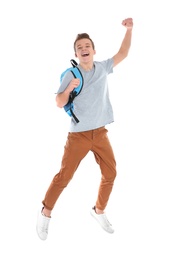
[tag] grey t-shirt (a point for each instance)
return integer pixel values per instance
(92, 106)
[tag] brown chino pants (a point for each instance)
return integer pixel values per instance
(76, 148)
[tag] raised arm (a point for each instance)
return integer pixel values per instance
(126, 43)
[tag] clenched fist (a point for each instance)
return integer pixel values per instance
(128, 23)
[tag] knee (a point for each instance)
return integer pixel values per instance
(112, 176)
(62, 178)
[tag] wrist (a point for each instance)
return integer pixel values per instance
(129, 28)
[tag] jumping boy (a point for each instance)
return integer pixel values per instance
(94, 110)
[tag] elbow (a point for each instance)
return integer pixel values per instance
(125, 54)
(58, 102)
(59, 105)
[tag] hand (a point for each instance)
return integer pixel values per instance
(128, 23)
(73, 84)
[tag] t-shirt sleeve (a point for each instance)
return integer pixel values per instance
(65, 82)
(107, 65)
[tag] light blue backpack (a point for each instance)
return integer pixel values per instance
(69, 107)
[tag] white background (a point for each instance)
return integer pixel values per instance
(36, 44)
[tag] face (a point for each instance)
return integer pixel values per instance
(84, 50)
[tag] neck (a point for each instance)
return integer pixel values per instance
(87, 67)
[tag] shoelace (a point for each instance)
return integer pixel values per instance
(44, 226)
(106, 220)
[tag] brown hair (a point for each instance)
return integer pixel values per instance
(83, 36)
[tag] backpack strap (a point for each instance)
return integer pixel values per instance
(74, 63)
(69, 107)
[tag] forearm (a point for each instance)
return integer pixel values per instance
(124, 48)
(126, 43)
(62, 98)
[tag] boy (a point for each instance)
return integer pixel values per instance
(94, 110)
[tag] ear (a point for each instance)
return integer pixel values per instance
(75, 55)
(94, 52)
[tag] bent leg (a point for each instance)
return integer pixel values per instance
(105, 158)
(75, 150)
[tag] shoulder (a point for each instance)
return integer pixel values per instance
(66, 75)
(106, 65)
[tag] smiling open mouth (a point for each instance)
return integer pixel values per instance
(85, 55)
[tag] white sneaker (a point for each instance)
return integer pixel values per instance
(42, 226)
(102, 220)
